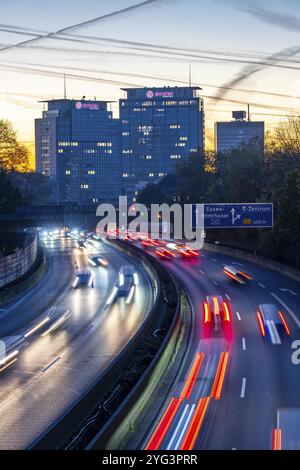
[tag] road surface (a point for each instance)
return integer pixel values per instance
(231, 393)
(52, 371)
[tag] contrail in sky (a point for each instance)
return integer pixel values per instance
(84, 23)
(252, 69)
(283, 20)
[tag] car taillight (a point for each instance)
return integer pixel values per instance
(284, 323)
(261, 324)
(245, 275)
(207, 313)
(226, 312)
(216, 305)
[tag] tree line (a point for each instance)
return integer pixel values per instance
(17, 185)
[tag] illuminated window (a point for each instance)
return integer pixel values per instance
(151, 175)
(183, 138)
(125, 133)
(84, 186)
(161, 174)
(125, 175)
(148, 157)
(68, 172)
(91, 172)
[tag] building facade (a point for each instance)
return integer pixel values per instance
(232, 134)
(158, 127)
(77, 146)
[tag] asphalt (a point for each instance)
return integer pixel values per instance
(53, 371)
(260, 378)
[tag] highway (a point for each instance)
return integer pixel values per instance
(53, 370)
(232, 392)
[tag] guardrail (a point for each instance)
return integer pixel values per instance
(114, 435)
(15, 265)
(63, 428)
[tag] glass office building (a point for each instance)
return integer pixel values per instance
(232, 134)
(158, 127)
(77, 146)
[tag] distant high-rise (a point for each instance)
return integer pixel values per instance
(159, 126)
(77, 146)
(232, 134)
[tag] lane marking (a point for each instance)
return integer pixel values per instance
(296, 320)
(261, 285)
(243, 389)
(51, 364)
(204, 256)
(244, 344)
(201, 271)
(288, 291)
(238, 316)
(195, 425)
(215, 283)
(185, 427)
(238, 264)
(214, 260)
(227, 297)
(170, 445)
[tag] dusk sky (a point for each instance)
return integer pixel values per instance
(218, 37)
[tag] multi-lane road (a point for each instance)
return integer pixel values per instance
(232, 394)
(52, 371)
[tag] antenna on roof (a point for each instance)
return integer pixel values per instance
(65, 86)
(190, 74)
(249, 115)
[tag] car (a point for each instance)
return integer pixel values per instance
(127, 279)
(165, 253)
(125, 284)
(186, 252)
(128, 271)
(216, 315)
(83, 277)
(182, 249)
(237, 275)
(80, 243)
(272, 323)
(98, 261)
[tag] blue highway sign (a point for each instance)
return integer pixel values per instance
(248, 215)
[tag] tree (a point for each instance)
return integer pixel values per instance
(150, 194)
(10, 195)
(13, 155)
(34, 187)
(191, 178)
(286, 137)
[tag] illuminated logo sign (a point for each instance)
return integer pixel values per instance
(83, 105)
(160, 94)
